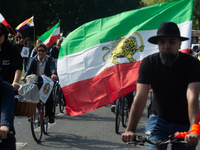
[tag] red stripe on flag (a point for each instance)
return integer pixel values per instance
(103, 89)
(53, 39)
(5, 23)
(111, 84)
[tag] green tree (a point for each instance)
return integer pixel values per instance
(72, 13)
(196, 10)
(196, 15)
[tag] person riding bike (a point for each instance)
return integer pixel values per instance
(174, 79)
(43, 64)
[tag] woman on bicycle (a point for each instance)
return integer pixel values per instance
(43, 64)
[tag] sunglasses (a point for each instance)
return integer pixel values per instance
(41, 51)
(1, 34)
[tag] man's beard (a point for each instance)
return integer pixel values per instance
(167, 58)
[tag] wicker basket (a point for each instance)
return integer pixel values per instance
(26, 109)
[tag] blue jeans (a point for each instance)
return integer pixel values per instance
(159, 129)
(26, 61)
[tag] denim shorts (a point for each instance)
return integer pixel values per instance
(159, 129)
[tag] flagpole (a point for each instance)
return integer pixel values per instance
(34, 31)
(12, 30)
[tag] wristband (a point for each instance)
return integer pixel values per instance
(195, 128)
(181, 134)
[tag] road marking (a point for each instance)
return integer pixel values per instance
(20, 145)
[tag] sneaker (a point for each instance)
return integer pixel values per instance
(113, 108)
(51, 119)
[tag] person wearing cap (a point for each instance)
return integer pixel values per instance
(175, 82)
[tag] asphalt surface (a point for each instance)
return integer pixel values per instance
(91, 131)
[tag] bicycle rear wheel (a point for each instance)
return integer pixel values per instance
(55, 97)
(125, 112)
(61, 101)
(118, 116)
(45, 122)
(37, 123)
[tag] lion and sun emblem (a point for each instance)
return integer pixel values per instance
(123, 47)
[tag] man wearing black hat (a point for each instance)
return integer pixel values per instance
(176, 84)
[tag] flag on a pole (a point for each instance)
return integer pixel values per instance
(99, 61)
(51, 35)
(24, 25)
(2, 19)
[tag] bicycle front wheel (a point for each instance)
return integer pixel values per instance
(118, 116)
(37, 124)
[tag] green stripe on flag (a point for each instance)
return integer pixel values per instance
(47, 34)
(106, 29)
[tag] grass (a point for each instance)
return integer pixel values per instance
(22, 75)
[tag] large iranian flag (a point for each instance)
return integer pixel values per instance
(99, 61)
(51, 35)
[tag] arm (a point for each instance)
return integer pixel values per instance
(193, 110)
(53, 69)
(136, 111)
(7, 109)
(17, 77)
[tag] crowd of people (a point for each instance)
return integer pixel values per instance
(174, 81)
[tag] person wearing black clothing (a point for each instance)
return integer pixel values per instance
(7, 107)
(174, 79)
(18, 41)
(10, 60)
(55, 50)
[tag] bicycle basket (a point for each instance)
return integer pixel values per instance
(26, 109)
(28, 99)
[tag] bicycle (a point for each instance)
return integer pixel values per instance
(38, 122)
(139, 140)
(122, 113)
(58, 97)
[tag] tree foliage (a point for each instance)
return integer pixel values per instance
(196, 10)
(72, 13)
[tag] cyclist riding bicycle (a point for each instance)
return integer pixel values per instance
(174, 79)
(7, 106)
(43, 64)
(129, 98)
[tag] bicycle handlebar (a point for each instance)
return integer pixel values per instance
(171, 139)
(9, 135)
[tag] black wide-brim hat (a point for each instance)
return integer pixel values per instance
(167, 29)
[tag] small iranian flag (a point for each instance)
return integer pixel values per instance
(99, 61)
(2, 19)
(51, 36)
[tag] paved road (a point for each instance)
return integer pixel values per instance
(93, 130)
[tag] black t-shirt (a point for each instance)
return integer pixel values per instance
(54, 53)
(169, 85)
(10, 61)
